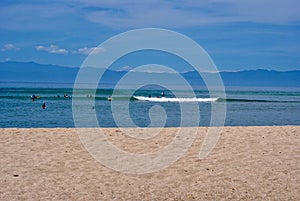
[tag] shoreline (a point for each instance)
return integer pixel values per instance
(248, 162)
(146, 127)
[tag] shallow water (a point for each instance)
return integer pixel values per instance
(245, 107)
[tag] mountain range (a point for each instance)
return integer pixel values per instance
(34, 72)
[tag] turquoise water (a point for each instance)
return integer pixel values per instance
(245, 106)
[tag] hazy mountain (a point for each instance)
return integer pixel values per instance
(33, 72)
(262, 78)
(255, 78)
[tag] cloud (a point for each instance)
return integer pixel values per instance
(267, 11)
(52, 49)
(189, 13)
(57, 15)
(154, 68)
(125, 68)
(89, 50)
(8, 47)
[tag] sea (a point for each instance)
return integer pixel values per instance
(244, 106)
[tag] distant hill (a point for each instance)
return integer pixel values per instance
(254, 78)
(34, 72)
(262, 78)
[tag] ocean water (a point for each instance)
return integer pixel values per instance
(145, 107)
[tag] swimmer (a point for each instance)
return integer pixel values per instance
(44, 106)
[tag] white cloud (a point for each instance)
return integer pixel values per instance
(89, 50)
(154, 68)
(56, 50)
(125, 68)
(53, 49)
(8, 47)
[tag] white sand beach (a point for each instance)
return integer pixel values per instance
(248, 163)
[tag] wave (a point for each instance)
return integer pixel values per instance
(255, 100)
(104, 97)
(164, 99)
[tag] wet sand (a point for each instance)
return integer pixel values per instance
(248, 163)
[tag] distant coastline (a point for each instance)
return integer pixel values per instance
(17, 72)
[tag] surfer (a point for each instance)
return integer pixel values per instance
(44, 106)
(33, 97)
(162, 94)
(109, 98)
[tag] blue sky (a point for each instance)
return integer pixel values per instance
(237, 34)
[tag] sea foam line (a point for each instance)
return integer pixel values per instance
(164, 99)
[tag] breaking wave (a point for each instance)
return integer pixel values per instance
(164, 99)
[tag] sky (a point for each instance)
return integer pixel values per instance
(237, 34)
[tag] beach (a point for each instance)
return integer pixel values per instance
(248, 163)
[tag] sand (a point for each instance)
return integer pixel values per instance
(248, 163)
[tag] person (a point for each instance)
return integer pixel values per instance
(162, 94)
(44, 106)
(33, 97)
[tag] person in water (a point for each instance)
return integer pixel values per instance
(33, 97)
(44, 106)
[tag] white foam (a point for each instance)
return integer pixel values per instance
(164, 99)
